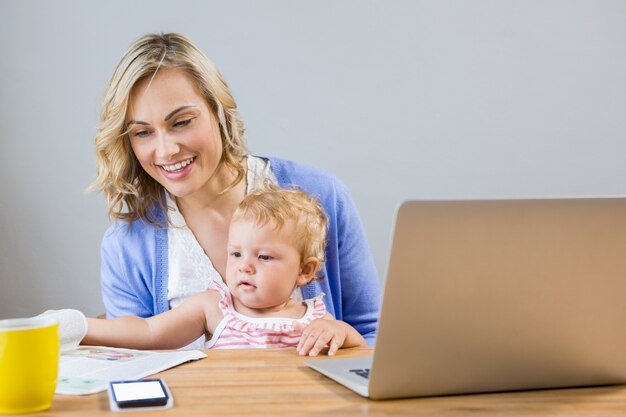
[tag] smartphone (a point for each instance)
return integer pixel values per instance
(138, 393)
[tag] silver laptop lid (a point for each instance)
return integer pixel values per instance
(503, 295)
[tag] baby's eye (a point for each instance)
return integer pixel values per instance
(265, 257)
(235, 254)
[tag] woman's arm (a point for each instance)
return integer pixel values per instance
(360, 286)
(128, 270)
(170, 330)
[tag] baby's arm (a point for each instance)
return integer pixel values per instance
(328, 332)
(170, 330)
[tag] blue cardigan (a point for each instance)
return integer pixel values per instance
(134, 266)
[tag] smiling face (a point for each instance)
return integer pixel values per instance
(174, 134)
(264, 266)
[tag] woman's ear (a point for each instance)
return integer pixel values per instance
(308, 270)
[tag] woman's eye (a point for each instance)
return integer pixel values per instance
(265, 257)
(182, 123)
(141, 133)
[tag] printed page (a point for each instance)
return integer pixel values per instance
(89, 369)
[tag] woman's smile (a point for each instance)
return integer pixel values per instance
(177, 170)
(177, 166)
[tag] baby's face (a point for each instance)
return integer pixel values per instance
(263, 264)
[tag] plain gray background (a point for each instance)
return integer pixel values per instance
(399, 99)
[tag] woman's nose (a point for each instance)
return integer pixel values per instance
(166, 147)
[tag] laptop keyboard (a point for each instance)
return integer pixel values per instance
(365, 373)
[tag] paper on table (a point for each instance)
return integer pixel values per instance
(89, 369)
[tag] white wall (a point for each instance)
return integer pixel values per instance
(400, 99)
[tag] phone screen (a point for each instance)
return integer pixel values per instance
(144, 393)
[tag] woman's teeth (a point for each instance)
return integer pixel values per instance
(178, 166)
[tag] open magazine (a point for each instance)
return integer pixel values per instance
(89, 369)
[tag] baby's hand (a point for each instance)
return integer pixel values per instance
(72, 326)
(319, 334)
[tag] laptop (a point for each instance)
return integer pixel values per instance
(498, 295)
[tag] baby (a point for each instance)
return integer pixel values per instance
(275, 244)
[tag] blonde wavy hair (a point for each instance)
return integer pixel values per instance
(273, 205)
(130, 192)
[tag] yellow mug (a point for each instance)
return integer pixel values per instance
(29, 364)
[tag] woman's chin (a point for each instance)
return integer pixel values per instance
(177, 191)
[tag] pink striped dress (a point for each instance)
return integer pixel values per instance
(237, 331)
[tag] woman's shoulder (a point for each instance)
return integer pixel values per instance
(311, 179)
(131, 233)
(294, 168)
(134, 227)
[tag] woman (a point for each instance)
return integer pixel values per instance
(173, 166)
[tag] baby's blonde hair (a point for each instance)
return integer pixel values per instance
(273, 205)
(130, 192)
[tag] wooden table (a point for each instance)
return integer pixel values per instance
(275, 382)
